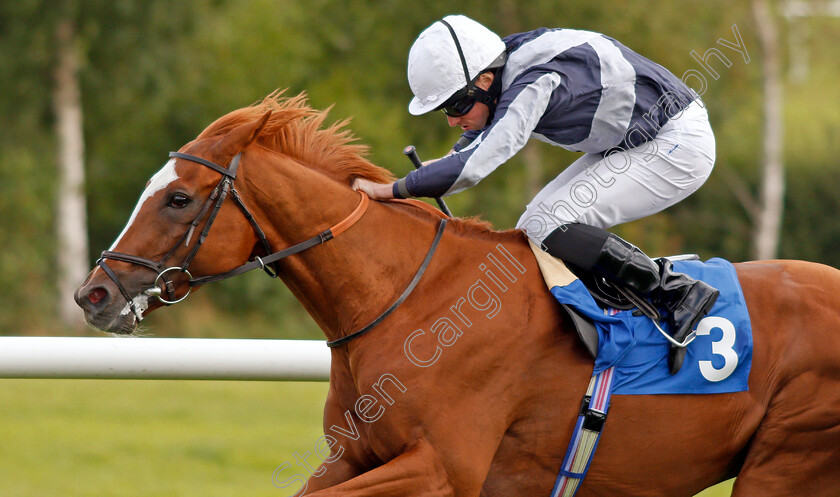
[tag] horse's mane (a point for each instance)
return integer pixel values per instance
(296, 129)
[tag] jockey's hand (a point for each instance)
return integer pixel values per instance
(376, 191)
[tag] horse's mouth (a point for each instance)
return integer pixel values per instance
(106, 310)
(120, 324)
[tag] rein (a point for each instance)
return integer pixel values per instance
(263, 262)
(216, 198)
(419, 274)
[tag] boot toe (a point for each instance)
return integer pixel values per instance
(676, 357)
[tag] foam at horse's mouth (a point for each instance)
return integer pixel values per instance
(121, 323)
(141, 303)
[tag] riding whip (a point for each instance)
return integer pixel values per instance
(411, 153)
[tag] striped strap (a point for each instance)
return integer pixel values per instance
(593, 414)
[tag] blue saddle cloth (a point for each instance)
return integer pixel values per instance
(718, 361)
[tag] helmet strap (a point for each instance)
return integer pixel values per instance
(494, 92)
(470, 84)
(488, 98)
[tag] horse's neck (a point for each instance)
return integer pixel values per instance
(358, 275)
(345, 282)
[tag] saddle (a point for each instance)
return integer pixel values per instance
(606, 294)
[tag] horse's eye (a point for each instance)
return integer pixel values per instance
(179, 201)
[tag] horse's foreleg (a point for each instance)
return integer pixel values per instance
(330, 475)
(416, 472)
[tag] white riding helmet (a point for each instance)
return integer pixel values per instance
(435, 70)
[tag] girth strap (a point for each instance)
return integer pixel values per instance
(587, 433)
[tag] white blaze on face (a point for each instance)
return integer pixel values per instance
(158, 182)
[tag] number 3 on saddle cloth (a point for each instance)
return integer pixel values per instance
(631, 355)
(717, 361)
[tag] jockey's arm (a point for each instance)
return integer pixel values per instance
(383, 191)
(517, 114)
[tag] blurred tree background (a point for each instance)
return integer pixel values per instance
(153, 74)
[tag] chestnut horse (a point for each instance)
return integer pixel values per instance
(465, 389)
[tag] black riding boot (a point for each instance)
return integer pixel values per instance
(592, 249)
(687, 301)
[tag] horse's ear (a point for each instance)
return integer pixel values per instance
(239, 138)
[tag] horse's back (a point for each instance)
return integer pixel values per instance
(775, 437)
(793, 308)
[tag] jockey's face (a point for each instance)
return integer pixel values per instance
(477, 117)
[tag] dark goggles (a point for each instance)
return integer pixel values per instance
(459, 104)
(464, 100)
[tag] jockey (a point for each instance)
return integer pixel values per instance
(645, 136)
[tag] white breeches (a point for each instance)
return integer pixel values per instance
(629, 184)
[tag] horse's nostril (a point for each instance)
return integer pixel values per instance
(96, 295)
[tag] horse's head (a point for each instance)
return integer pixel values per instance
(290, 165)
(164, 240)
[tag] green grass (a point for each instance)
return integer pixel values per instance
(99, 438)
(82, 438)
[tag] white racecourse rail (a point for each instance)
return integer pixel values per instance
(164, 358)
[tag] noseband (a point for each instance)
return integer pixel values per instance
(215, 200)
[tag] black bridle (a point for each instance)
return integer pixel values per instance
(215, 200)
